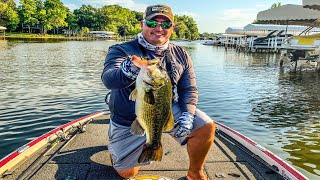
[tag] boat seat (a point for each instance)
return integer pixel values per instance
(306, 40)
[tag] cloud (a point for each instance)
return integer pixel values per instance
(237, 17)
(261, 6)
(191, 14)
(124, 3)
(239, 14)
(71, 6)
(194, 16)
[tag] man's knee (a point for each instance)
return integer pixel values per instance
(205, 132)
(212, 129)
(128, 173)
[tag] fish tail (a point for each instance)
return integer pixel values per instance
(150, 153)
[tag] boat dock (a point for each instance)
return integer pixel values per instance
(85, 156)
(290, 30)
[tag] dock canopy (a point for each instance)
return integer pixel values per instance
(290, 14)
(312, 4)
(3, 29)
(272, 27)
(234, 30)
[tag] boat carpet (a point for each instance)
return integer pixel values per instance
(86, 156)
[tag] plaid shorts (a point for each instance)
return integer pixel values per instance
(125, 147)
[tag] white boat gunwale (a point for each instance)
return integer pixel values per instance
(17, 157)
(279, 165)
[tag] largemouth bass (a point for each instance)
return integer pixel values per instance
(153, 98)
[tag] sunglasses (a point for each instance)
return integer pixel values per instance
(154, 24)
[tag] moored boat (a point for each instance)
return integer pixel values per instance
(78, 150)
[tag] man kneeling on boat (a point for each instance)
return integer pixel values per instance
(192, 126)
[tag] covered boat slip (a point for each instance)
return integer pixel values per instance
(305, 46)
(261, 37)
(282, 22)
(312, 4)
(290, 14)
(285, 17)
(85, 156)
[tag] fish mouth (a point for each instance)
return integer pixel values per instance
(149, 84)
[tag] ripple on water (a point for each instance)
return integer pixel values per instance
(44, 85)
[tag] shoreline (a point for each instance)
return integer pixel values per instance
(58, 37)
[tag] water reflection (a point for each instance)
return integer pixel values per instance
(292, 108)
(44, 85)
(3, 43)
(286, 104)
(295, 110)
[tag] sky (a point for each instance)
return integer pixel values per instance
(212, 16)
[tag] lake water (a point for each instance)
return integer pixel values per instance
(46, 84)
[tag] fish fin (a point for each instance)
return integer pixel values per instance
(149, 97)
(170, 123)
(133, 95)
(136, 128)
(150, 153)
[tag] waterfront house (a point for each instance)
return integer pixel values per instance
(103, 34)
(312, 4)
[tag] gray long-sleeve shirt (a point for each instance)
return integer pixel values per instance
(183, 77)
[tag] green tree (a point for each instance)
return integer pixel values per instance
(174, 35)
(84, 31)
(206, 35)
(119, 19)
(41, 14)
(186, 28)
(139, 15)
(56, 14)
(52, 15)
(8, 14)
(72, 22)
(193, 32)
(274, 5)
(86, 16)
(28, 12)
(180, 29)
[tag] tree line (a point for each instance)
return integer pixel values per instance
(52, 17)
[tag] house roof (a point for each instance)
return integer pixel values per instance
(291, 14)
(234, 30)
(312, 4)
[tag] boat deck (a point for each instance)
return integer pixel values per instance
(85, 156)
